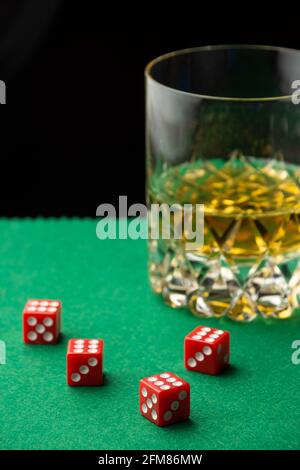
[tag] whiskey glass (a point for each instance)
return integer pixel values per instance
(223, 130)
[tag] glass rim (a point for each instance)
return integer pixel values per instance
(191, 50)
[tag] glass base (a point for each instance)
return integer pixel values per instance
(216, 287)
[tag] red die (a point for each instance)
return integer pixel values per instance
(85, 362)
(164, 399)
(206, 350)
(41, 321)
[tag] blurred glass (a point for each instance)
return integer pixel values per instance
(223, 130)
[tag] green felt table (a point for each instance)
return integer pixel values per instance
(104, 289)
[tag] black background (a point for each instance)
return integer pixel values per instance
(72, 132)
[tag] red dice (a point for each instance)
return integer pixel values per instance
(164, 399)
(42, 321)
(85, 362)
(206, 350)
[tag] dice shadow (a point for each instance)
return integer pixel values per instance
(187, 425)
(63, 339)
(230, 371)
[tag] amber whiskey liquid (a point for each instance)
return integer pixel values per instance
(247, 265)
